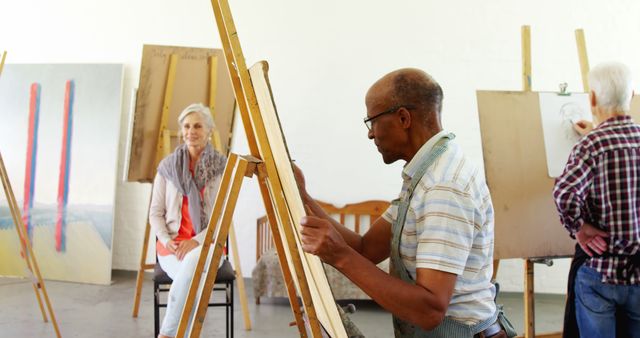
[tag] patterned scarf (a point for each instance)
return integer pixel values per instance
(175, 169)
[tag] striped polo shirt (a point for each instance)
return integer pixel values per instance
(449, 227)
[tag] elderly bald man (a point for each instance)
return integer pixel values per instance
(438, 233)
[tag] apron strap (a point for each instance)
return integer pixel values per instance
(449, 327)
(403, 206)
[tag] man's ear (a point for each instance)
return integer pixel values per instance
(405, 118)
(592, 98)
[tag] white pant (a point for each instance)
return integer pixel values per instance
(181, 272)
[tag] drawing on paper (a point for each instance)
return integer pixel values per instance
(559, 113)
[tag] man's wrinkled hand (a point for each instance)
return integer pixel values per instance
(320, 238)
(583, 127)
(591, 239)
(297, 172)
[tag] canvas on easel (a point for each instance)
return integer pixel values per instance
(274, 171)
(191, 84)
(172, 78)
(317, 280)
(526, 219)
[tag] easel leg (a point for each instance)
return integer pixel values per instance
(284, 267)
(241, 288)
(496, 265)
(36, 289)
(288, 237)
(584, 60)
(29, 253)
(218, 248)
(143, 266)
(529, 308)
(163, 142)
(246, 98)
(233, 55)
(4, 56)
(204, 252)
(22, 237)
(163, 148)
(217, 144)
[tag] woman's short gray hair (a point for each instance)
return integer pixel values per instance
(612, 84)
(201, 109)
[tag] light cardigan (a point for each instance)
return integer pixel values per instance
(165, 211)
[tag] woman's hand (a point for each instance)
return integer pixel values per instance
(184, 247)
(172, 246)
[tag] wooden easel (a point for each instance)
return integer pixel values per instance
(27, 251)
(279, 194)
(163, 146)
(215, 140)
(235, 170)
(529, 294)
(163, 149)
(4, 56)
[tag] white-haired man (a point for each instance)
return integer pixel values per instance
(598, 199)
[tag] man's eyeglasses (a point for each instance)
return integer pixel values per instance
(368, 121)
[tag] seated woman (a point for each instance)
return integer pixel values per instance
(184, 192)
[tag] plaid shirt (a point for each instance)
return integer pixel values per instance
(600, 185)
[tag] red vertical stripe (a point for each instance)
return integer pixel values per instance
(29, 175)
(63, 179)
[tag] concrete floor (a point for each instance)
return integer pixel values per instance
(105, 311)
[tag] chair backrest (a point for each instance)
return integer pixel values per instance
(372, 209)
(264, 237)
(358, 212)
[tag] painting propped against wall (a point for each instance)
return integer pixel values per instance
(59, 138)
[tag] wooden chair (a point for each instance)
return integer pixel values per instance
(373, 209)
(264, 237)
(353, 211)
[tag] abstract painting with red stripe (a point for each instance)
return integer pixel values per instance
(59, 139)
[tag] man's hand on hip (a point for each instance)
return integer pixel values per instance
(591, 239)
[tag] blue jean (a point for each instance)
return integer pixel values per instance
(597, 302)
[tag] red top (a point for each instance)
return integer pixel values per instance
(186, 230)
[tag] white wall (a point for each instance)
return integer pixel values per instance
(323, 57)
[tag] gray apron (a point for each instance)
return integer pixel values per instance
(449, 327)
